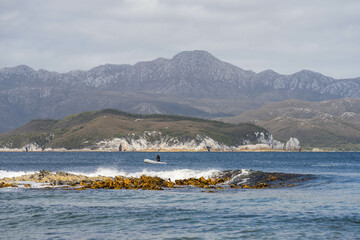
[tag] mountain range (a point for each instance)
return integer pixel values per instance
(192, 83)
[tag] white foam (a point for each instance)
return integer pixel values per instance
(178, 174)
(10, 174)
(21, 184)
(106, 172)
(172, 174)
(235, 179)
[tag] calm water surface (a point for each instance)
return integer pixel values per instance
(327, 207)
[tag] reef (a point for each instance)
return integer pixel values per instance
(51, 178)
(258, 179)
(223, 180)
(6, 184)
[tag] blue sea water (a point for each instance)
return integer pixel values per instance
(326, 207)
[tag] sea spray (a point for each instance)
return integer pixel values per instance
(173, 175)
(10, 174)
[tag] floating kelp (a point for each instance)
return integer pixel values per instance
(144, 182)
(225, 179)
(149, 183)
(201, 182)
(6, 184)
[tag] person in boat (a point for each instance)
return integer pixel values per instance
(158, 158)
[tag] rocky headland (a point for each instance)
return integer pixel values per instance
(112, 130)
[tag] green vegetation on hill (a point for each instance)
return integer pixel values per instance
(86, 129)
(329, 125)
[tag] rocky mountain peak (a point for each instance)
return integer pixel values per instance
(310, 75)
(268, 72)
(196, 57)
(19, 70)
(195, 54)
(267, 75)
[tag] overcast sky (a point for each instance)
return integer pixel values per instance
(283, 35)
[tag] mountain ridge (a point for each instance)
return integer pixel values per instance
(193, 82)
(186, 65)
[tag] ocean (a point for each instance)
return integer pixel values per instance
(324, 207)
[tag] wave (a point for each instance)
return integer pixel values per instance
(229, 178)
(238, 177)
(10, 174)
(173, 175)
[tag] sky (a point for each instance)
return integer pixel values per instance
(283, 35)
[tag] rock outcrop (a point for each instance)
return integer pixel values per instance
(201, 143)
(222, 180)
(292, 144)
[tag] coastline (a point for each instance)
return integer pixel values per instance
(155, 150)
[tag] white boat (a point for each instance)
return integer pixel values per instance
(153, 161)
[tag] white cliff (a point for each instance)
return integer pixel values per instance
(201, 143)
(269, 141)
(156, 141)
(292, 144)
(142, 143)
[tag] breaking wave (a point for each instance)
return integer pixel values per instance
(173, 175)
(176, 174)
(10, 174)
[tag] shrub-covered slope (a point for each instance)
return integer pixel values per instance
(86, 129)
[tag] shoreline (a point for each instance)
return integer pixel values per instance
(162, 150)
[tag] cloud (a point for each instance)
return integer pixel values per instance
(283, 35)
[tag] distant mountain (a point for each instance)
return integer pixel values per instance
(333, 124)
(193, 83)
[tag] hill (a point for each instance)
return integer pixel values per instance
(333, 124)
(192, 83)
(108, 129)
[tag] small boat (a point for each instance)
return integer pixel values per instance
(153, 161)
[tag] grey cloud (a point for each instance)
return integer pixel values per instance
(283, 35)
